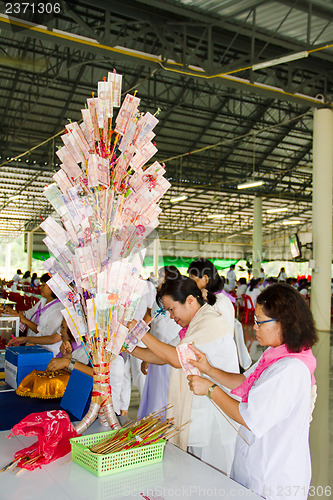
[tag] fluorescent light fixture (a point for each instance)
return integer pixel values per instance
(276, 210)
(280, 60)
(178, 198)
(291, 222)
(250, 184)
(215, 216)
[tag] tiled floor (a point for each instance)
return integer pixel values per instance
(321, 430)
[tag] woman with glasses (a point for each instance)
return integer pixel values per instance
(277, 397)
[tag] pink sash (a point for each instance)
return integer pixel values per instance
(269, 357)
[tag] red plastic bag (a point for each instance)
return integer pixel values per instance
(53, 429)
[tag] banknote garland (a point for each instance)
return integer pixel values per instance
(106, 200)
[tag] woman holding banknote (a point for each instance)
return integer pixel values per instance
(277, 394)
(42, 322)
(209, 436)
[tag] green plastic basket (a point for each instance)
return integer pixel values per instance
(102, 465)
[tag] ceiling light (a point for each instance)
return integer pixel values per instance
(14, 197)
(291, 222)
(178, 198)
(215, 216)
(250, 184)
(280, 60)
(275, 210)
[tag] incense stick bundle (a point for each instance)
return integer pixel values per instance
(139, 433)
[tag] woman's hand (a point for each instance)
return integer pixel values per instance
(204, 292)
(12, 312)
(58, 364)
(199, 385)
(144, 367)
(66, 348)
(16, 341)
(201, 361)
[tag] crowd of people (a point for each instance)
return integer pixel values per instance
(240, 416)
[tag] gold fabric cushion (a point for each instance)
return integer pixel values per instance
(45, 385)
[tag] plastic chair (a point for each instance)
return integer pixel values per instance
(33, 301)
(19, 299)
(248, 314)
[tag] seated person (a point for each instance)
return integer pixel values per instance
(26, 279)
(70, 352)
(42, 321)
(52, 382)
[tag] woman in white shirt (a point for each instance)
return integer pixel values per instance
(272, 454)
(156, 388)
(42, 321)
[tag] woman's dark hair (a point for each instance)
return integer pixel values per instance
(169, 272)
(201, 267)
(44, 279)
(253, 283)
(285, 304)
(26, 275)
(242, 281)
(179, 289)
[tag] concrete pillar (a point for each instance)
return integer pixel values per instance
(257, 237)
(322, 218)
(29, 249)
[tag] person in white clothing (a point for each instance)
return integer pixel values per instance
(17, 278)
(272, 455)
(209, 436)
(262, 274)
(253, 290)
(142, 312)
(241, 290)
(131, 368)
(42, 321)
(69, 350)
(282, 276)
(156, 388)
(231, 277)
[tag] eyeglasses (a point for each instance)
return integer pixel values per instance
(258, 323)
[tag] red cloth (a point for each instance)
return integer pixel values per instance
(53, 430)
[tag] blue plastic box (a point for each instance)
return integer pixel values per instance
(21, 360)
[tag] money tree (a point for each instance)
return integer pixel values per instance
(106, 197)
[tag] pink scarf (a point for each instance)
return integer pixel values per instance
(182, 332)
(269, 357)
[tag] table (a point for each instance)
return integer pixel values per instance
(179, 475)
(7, 302)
